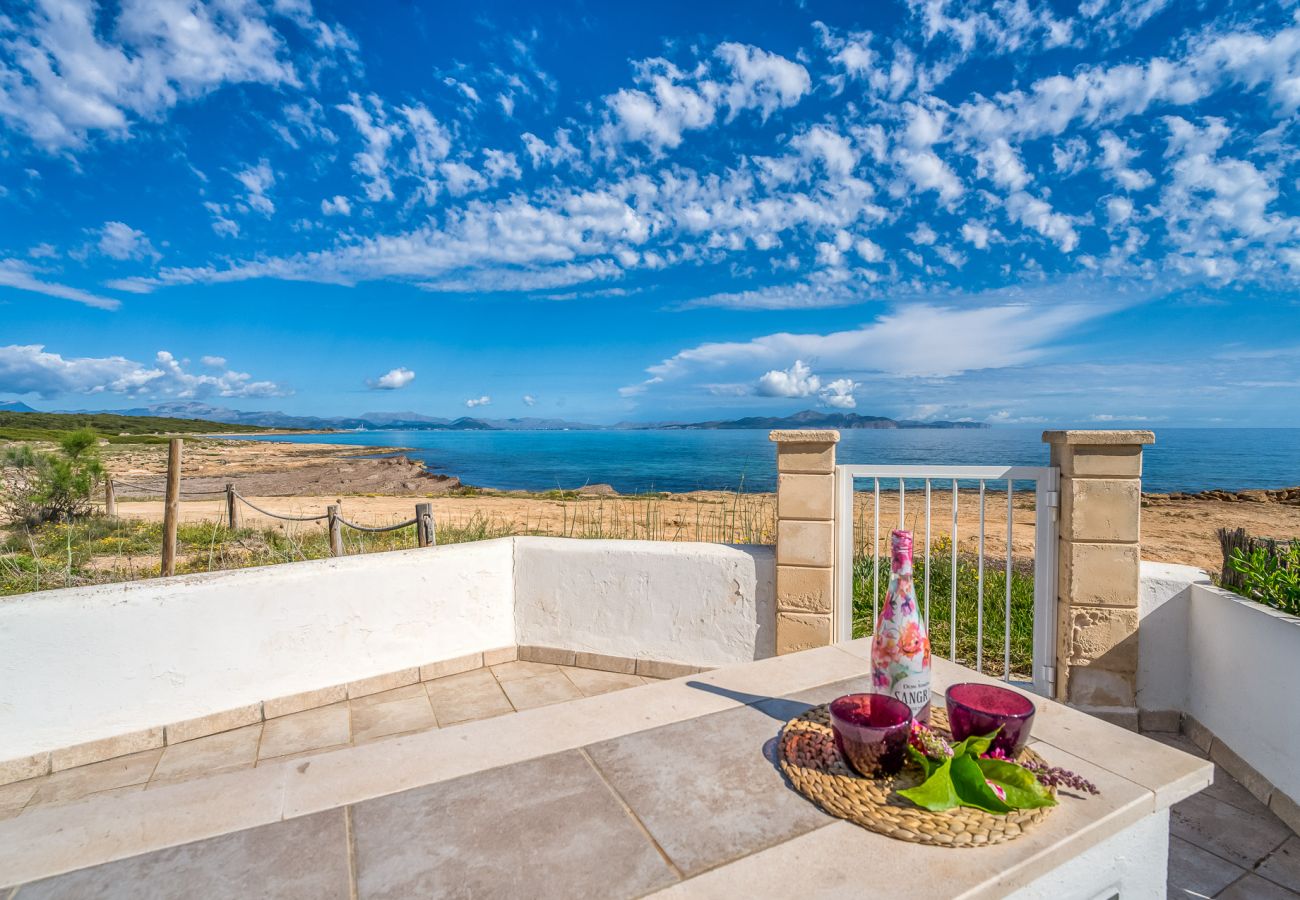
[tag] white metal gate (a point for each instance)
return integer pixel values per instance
(1045, 481)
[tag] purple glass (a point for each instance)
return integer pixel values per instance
(871, 731)
(981, 709)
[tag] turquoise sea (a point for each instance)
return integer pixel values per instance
(1183, 459)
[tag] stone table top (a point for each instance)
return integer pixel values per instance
(666, 787)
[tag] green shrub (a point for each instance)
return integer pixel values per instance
(40, 487)
(1269, 573)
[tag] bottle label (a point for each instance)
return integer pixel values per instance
(914, 691)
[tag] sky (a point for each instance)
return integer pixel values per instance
(1016, 212)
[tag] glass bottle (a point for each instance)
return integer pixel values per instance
(900, 647)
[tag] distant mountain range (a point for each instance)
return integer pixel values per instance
(14, 406)
(413, 421)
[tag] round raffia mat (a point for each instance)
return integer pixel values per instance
(816, 769)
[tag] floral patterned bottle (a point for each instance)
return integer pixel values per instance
(900, 649)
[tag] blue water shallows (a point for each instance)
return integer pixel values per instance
(1183, 459)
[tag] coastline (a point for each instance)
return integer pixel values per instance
(377, 485)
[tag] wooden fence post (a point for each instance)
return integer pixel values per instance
(110, 498)
(424, 531)
(232, 508)
(171, 506)
(336, 530)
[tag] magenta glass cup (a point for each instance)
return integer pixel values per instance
(981, 709)
(871, 731)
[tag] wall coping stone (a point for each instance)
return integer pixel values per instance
(804, 436)
(1096, 438)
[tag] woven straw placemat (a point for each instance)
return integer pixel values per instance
(815, 768)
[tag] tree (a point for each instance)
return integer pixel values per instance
(40, 487)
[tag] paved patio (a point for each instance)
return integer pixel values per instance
(588, 797)
(440, 703)
(1225, 843)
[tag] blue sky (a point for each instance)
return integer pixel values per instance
(1018, 212)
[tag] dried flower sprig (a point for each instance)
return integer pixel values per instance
(925, 741)
(1055, 776)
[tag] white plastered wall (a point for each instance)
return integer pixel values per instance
(82, 664)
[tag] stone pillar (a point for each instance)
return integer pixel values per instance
(805, 538)
(1097, 569)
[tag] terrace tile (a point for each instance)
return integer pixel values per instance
(401, 693)
(568, 837)
(540, 690)
(14, 796)
(222, 752)
(594, 681)
(518, 669)
(314, 729)
(1252, 887)
(300, 858)
(1283, 866)
(1194, 872)
(467, 697)
(1242, 837)
(111, 774)
(815, 861)
(705, 788)
(399, 716)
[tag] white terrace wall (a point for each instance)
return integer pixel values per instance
(81, 664)
(697, 604)
(1231, 665)
(84, 664)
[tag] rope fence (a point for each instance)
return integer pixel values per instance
(378, 529)
(425, 530)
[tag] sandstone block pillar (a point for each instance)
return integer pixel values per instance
(1098, 559)
(805, 538)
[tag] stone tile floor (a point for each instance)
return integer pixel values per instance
(451, 700)
(602, 819)
(1225, 843)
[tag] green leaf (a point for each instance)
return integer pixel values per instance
(974, 745)
(937, 793)
(972, 789)
(927, 765)
(1023, 789)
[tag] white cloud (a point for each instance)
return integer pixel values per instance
(392, 380)
(1001, 164)
(215, 362)
(500, 165)
(796, 381)
(1038, 214)
(371, 163)
(956, 340)
(338, 205)
(839, 393)
(761, 80)
(671, 101)
(30, 369)
(22, 276)
(257, 180)
(799, 381)
(529, 400)
(976, 234)
(930, 173)
(923, 235)
(1115, 158)
(473, 402)
(1118, 210)
(63, 78)
(120, 241)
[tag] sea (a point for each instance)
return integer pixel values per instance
(633, 462)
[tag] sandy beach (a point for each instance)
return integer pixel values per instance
(301, 479)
